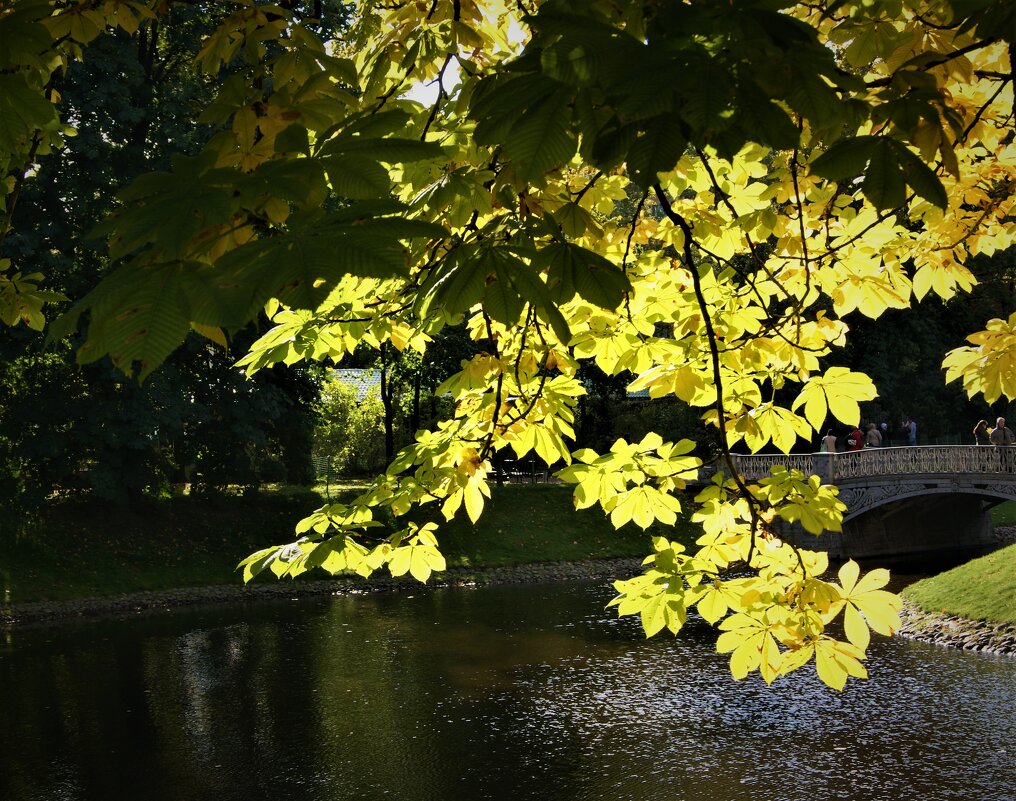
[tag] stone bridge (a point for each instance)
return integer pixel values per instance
(905, 503)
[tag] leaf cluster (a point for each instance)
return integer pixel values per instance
(781, 167)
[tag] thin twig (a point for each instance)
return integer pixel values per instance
(753, 502)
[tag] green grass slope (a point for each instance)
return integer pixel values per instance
(86, 549)
(982, 589)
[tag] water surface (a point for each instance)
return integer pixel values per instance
(531, 692)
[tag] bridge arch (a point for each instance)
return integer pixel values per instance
(906, 501)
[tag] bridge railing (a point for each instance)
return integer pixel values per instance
(889, 462)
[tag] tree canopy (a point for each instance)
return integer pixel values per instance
(91, 430)
(695, 195)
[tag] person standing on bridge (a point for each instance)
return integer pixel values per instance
(855, 440)
(872, 438)
(829, 442)
(1001, 434)
(981, 435)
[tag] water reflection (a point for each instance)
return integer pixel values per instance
(511, 692)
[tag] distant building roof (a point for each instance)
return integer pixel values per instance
(362, 379)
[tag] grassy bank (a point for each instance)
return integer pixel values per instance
(82, 548)
(85, 549)
(1004, 514)
(982, 589)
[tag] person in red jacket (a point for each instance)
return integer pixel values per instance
(855, 440)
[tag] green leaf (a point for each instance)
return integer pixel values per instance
(570, 62)
(167, 210)
(657, 149)
(542, 139)
(708, 98)
(300, 181)
(293, 139)
(392, 150)
(218, 298)
(23, 111)
(456, 285)
(921, 177)
(552, 315)
(301, 266)
(764, 121)
(256, 562)
(502, 300)
(845, 159)
(574, 270)
(634, 96)
(23, 40)
(815, 100)
(373, 124)
(357, 178)
(144, 325)
(499, 102)
(612, 143)
(883, 183)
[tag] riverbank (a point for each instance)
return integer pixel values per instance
(85, 550)
(92, 563)
(972, 606)
(957, 632)
(918, 624)
(138, 604)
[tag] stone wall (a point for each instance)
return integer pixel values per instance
(957, 632)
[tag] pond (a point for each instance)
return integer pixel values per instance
(522, 692)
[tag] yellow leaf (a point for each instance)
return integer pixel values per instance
(474, 499)
(848, 574)
(829, 669)
(401, 560)
(424, 560)
(855, 628)
(836, 660)
(452, 504)
(839, 391)
(745, 658)
(712, 606)
(770, 659)
(796, 658)
(211, 332)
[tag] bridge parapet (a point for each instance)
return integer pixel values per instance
(833, 468)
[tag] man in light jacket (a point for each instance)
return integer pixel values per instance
(1001, 434)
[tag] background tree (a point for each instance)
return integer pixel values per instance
(901, 351)
(136, 100)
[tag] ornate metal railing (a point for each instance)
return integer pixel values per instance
(755, 467)
(888, 462)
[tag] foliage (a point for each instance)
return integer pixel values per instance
(33, 428)
(64, 428)
(350, 432)
(705, 235)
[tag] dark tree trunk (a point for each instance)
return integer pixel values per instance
(416, 402)
(389, 406)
